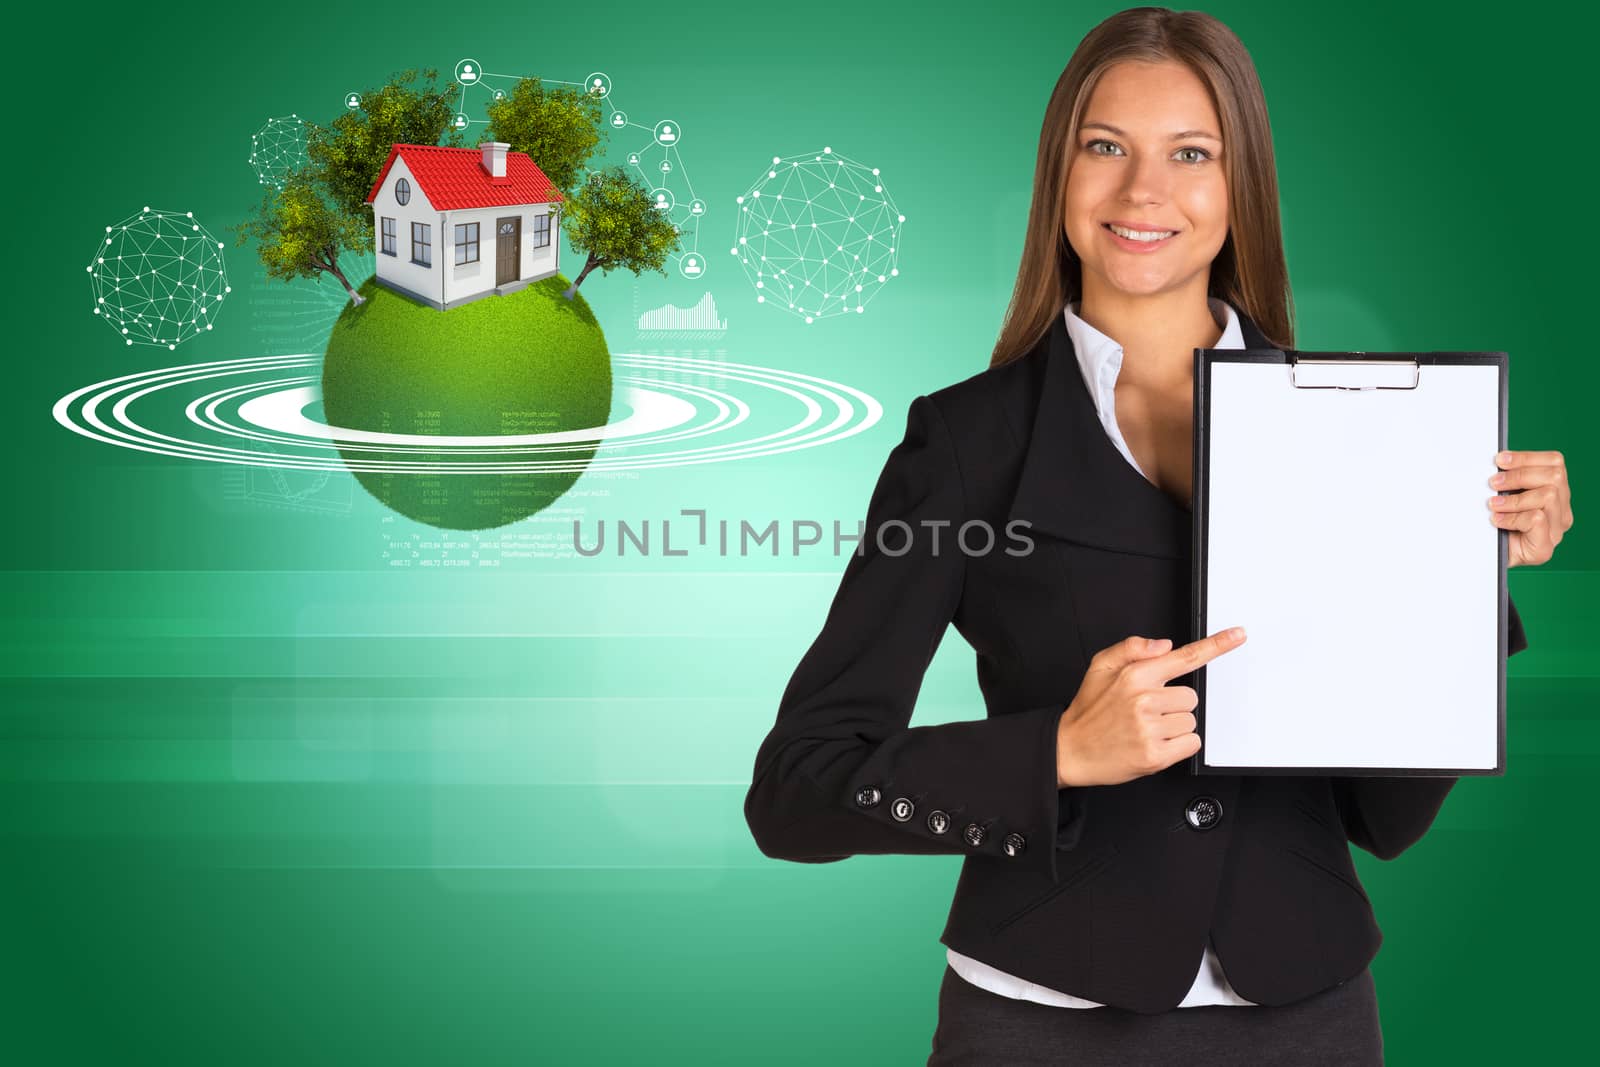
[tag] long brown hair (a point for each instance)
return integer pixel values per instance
(1249, 271)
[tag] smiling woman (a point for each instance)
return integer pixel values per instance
(1112, 907)
(1158, 128)
(1147, 209)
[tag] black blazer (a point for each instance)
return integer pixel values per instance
(1104, 892)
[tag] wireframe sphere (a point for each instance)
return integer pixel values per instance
(158, 278)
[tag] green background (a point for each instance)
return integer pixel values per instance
(265, 798)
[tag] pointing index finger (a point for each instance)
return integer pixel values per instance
(1196, 654)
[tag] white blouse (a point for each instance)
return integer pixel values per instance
(1100, 359)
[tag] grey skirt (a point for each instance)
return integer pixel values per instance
(1338, 1026)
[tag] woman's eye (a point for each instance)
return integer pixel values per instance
(1093, 147)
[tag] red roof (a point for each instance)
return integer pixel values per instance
(454, 178)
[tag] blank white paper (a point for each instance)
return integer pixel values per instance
(1349, 534)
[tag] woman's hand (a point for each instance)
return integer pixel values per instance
(1126, 721)
(1541, 513)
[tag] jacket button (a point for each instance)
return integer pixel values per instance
(902, 809)
(1013, 844)
(868, 796)
(938, 821)
(973, 834)
(1203, 812)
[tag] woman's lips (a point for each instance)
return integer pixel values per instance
(1137, 246)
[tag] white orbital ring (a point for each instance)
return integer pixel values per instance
(283, 411)
(655, 417)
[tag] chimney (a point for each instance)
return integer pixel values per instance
(494, 157)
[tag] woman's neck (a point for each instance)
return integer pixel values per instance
(1158, 333)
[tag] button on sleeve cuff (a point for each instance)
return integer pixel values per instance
(842, 771)
(991, 781)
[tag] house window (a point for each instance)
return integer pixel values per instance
(467, 242)
(422, 244)
(402, 191)
(541, 230)
(389, 236)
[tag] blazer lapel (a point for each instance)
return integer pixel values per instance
(1076, 485)
(1253, 337)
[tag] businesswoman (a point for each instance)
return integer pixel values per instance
(1111, 906)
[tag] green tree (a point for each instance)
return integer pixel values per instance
(322, 208)
(347, 153)
(300, 233)
(558, 128)
(612, 220)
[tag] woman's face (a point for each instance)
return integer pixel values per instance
(1149, 155)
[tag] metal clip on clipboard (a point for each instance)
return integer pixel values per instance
(1333, 373)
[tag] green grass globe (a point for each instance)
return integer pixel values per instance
(527, 362)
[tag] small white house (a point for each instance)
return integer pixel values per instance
(455, 224)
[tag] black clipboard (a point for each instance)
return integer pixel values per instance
(1344, 372)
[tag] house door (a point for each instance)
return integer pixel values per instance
(508, 250)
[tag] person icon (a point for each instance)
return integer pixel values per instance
(697, 208)
(633, 159)
(352, 100)
(667, 134)
(661, 202)
(461, 122)
(599, 87)
(618, 119)
(468, 74)
(499, 94)
(692, 266)
(666, 166)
